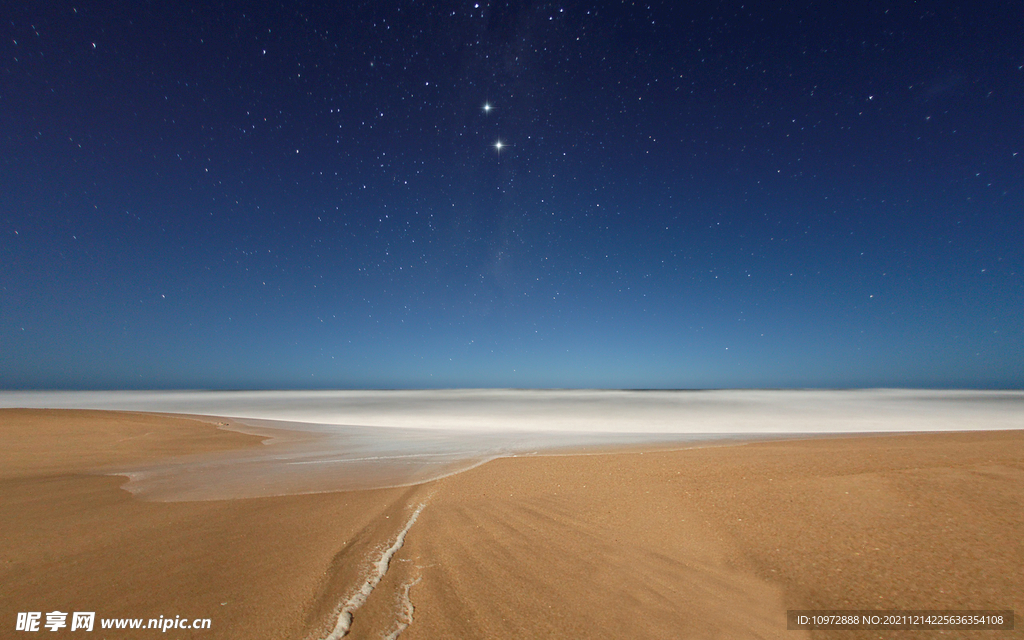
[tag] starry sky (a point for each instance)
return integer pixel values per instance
(511, 194)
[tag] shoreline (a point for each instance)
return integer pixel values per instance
(703, 541)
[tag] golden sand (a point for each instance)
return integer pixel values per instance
(714, 542)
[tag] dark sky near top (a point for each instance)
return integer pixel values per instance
(282, 195)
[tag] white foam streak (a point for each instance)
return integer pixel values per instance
(379, 568)
(405, 615)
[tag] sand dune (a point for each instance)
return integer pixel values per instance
(712, 542)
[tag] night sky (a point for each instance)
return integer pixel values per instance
(503, 194)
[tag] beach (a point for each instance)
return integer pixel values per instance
(702, 541)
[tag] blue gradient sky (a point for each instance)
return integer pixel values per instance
(688, 196)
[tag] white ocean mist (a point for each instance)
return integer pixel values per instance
(585, 411)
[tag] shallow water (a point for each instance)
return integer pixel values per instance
(336, 440)
(350, 458)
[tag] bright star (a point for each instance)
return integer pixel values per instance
(498, 145)
(487, 107)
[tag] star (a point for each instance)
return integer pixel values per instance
(487, 107)
(498, 146)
